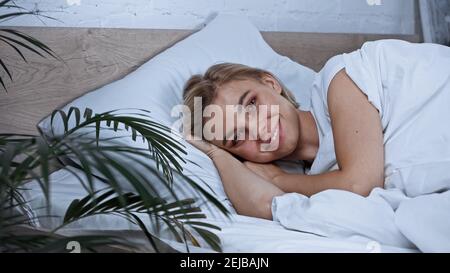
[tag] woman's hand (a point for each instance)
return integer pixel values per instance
(267, 171)
(204, 146)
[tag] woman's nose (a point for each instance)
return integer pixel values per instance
(259, 126)
(267, 127)
(259, 135)
(257, 130)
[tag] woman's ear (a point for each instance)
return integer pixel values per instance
(272, 83)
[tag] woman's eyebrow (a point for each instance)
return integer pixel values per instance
(241, 99)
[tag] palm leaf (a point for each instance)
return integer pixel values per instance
(5, 68)
(165, 150)
(109, 203)
(16, 234)
(96, 159)
(9, 4)
(32, 41)
(15, 14)
(28, 157)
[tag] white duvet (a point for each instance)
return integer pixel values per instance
(238, 234)
(409, 84)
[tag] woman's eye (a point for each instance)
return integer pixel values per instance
(253, 101)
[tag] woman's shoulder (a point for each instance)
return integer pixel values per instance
(330, 69)
(323, 80)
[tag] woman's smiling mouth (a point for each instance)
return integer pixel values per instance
(274, 141)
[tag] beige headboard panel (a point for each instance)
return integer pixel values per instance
(94, 57)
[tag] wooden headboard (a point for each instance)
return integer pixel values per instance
(94, 57)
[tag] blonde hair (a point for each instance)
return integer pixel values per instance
(206, 86)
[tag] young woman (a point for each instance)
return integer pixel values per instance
(363, 116)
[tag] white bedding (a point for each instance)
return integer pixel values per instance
(409, 84)
(157, 86)
(241, 234)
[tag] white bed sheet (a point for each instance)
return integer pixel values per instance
(238, 234)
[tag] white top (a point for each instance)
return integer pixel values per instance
(325, 159)
(409, 84)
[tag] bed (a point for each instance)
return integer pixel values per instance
(96, 57)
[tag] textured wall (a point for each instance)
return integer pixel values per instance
(435, 17)
(355, 16)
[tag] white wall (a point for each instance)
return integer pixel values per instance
(356, 16)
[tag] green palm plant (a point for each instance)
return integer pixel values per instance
(19, 41)
(24, 157)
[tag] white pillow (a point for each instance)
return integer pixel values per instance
(157, 86)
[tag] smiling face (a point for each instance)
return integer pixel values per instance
(272, 135)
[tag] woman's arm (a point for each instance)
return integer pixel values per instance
(249, 193)
(312, 184)
(358, 135)
(304, 184)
